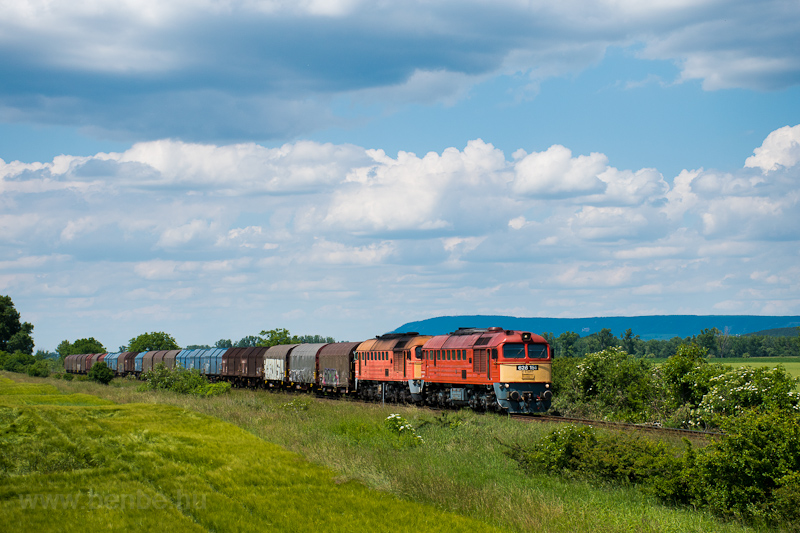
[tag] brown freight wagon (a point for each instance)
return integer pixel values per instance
(229, 363)
(336, 367)
(126, 363)
(251, 366)
(69, 364)
(158, 357)
(92, 359)
(81, 362)
(147, 360)
(170, 357)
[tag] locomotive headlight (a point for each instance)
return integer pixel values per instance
(546, 385)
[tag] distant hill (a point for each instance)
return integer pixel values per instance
(647, 327)
(777, 332)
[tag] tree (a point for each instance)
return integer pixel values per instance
(629, 341)
(249, 341)
(607, 339)
(722, 340)
(157, 340)
(15, 336)
(566, 344)
(314, 339)
(223, 343)
(707, 339)
(273, 337)
(90, 345)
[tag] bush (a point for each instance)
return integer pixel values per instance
(16, 362)
(39, 369)
(741, 389)
(751, 473)
(582, 452)
(610, 384)
(182, 381)
(100, 373)
(687, 376)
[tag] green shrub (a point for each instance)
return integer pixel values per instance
(741, 389)
(582, 452)
(182, 381)
(608, 384)
(752, 472)
(687, 376)
(101, 373)
(39, 369)
(16, 362)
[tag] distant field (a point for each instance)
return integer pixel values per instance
(460, 468)
(791, 364)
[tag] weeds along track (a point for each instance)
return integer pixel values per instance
(691, 434)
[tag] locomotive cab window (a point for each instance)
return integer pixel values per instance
(514, 351)
(537, 351)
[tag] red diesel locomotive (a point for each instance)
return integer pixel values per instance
(485, 369)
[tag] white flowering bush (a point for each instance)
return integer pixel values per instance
(615, 384)
(404, 430)
(741, 389)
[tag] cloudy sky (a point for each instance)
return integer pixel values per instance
(214, 168)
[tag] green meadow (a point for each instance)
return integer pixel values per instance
(791, 364)
(75, 462)
(267, 461)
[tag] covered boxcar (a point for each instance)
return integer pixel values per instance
(303, 365)
(276, 367)
(336, 367)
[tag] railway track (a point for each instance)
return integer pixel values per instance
(691, 434)
(650, 428)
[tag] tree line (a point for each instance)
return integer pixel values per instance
(718, 344)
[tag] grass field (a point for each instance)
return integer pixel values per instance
(75, 462)
(460, 469)
(791, 364)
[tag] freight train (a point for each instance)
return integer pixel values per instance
(484, 369)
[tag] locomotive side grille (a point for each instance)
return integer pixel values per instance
(479, 361)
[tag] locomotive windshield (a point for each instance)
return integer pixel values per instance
(514, 351)
(537, 351)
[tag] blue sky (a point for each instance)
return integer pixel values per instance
(212, 168)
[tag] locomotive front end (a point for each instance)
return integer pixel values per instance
(525, 375)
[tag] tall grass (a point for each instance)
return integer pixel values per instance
(460, 468)
(156, 467)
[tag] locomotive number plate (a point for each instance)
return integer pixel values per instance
(527, 367)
